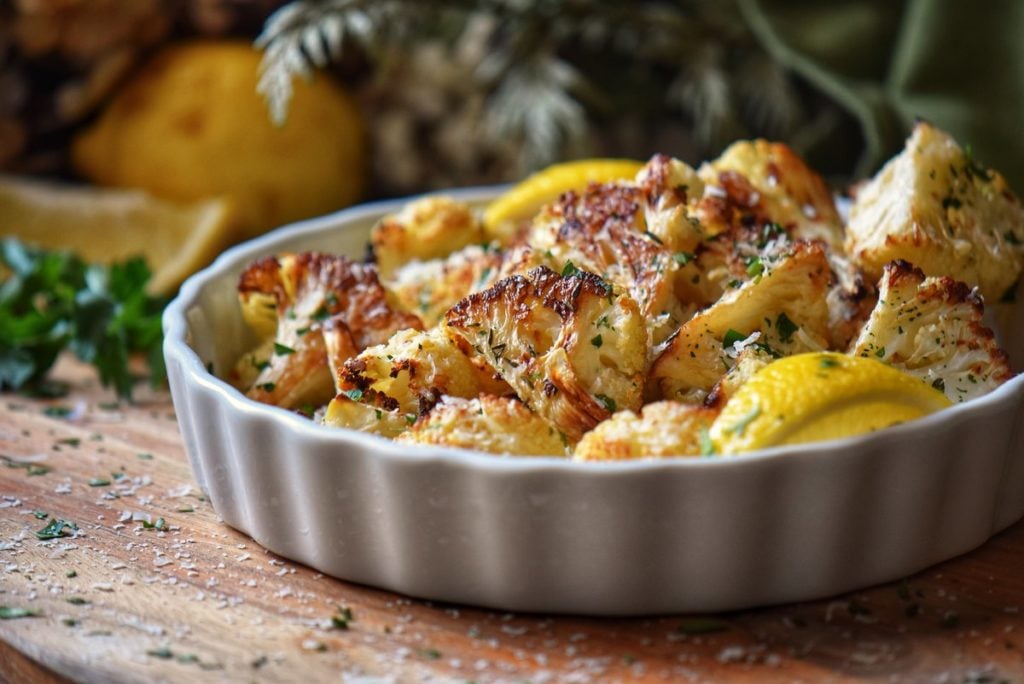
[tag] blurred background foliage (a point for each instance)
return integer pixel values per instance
(460, 93)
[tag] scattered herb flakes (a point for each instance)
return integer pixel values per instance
(69, 622)
(341, 619)
(786, 327)
(257, 663)
(880, 352)
(607, 402)
(57, 411)
(702, 625)
(597, 341)
(829, 362)
(99, 482)
(187, 658)
(71, 573)
(185, 509)
(13, 613)
(683, 258)
(57, 528)
(755, 267)
(939, 384)
(159, 525)
(144, 456)
(569, 269)
(267, 386)
(282, 350)
(70, 441)
(30, 468)
(77, 600)
(163, 653)
(41, 515)
(732, 337)
(354, 394)
(431, 654)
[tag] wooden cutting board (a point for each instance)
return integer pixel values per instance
(153, 587)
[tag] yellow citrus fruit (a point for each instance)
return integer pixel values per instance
(103, 225)
(190, 125)
(819, 396)
(504, 216)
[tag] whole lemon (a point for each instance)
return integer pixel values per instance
(190, 125)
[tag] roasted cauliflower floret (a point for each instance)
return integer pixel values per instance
(603, 231)
(429, 288)
(315, 296)
(664, 428)
(413, 370)
(783, 310)
(571, 347)
(768, 181)
(354, 415)
(426, 228)
(931, 328)
(497, 425)
(749, 359)
(667, 186)
(936, 208)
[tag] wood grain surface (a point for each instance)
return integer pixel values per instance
(153, 587)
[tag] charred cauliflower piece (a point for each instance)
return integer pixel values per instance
(769, 182)
(603, 231)
(782, 311)
(412, 371)
(667, 186)
(931, 327)
(429, 288)
(316, 297)
(664, 428)
(571, 348)
(936, 208)
(354, 415)
(497, 425)
(427, 228)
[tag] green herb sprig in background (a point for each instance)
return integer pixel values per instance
(54, 301)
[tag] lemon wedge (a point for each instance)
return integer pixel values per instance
(104, 225)
(819, 396)
(503, 217)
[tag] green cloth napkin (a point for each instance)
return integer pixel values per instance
(957, 64)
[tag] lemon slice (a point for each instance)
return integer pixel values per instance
(504, 216)
(818, 396)
(104, 225)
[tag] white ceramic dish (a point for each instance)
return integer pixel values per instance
(550, 535)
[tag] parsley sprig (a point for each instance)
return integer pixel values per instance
(54, 301)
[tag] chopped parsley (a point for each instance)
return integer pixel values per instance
(282, 350)
(786, 327)
(683, 258)
(707, 447)
(53, 301)
(732, 337)
(755, 267)
(341, 619)
(939, 384)
(99, 482)
(12, 613)
(354, 394)
(597, 341)
(58, 527)
(607, 402)
(569, 269)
